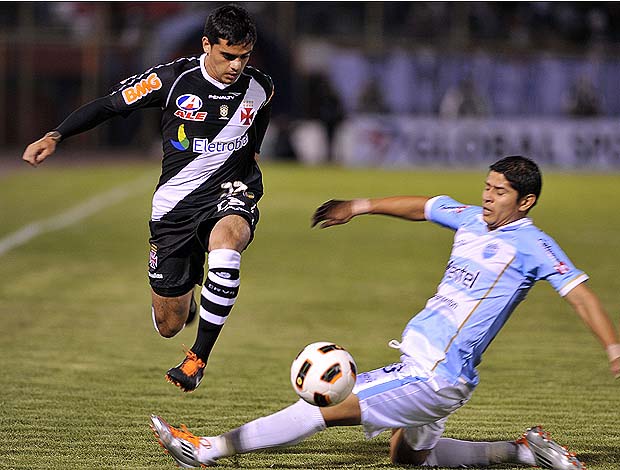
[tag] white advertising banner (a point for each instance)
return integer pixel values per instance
(393, 141)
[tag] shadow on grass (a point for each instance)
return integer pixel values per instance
(601, 455)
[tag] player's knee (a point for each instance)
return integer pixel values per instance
(411, 457)
(167, 325)
(168, 331)
(402, 454)
(233, 233)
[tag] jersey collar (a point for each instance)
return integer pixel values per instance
(524, 222)
(208, 77)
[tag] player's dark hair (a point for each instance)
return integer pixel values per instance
(231, 23)
(522, 174)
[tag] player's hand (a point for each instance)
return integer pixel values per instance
(38, 151)
(333, 212)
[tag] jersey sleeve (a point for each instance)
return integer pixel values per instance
(264, 112)
(262, 122)
(146, 90)
(139, 91)
(555, 267)
(445, 211)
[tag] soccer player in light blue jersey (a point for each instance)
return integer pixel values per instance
(497, 256)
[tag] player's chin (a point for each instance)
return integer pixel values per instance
(488, 220)
(229, 78)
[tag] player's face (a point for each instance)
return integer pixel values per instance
(224, 62)
(500, 202)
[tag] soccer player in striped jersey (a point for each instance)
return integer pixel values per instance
(497, 256)
(214, 114)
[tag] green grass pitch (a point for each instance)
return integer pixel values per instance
(82, 367)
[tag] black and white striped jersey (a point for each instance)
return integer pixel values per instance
(210, 131)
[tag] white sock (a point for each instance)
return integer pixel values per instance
(284, 428)
(525, 455)
(454, 453)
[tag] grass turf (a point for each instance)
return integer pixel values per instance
(83, 368)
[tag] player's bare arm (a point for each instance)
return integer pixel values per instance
(39, 150)
(335, 212)
(588, 306)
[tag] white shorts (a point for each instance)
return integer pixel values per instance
(396, 397)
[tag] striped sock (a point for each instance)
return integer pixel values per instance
(217, 298)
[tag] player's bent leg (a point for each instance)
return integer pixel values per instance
(170, 314)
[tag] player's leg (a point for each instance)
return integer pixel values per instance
(176, 265)
(285, 428)
(227, 240)
(228, 237)
(411, 446)
(534, 448)
(170, 314)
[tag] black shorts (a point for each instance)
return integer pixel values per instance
(177, 251)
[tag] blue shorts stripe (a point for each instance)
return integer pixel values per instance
(387, 386)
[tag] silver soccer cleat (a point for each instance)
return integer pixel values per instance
(180, 444)
(548, 453)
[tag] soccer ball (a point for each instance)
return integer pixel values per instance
(323, 374)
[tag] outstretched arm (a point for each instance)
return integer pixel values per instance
(587, 304)
(82, 119)
(336, 212)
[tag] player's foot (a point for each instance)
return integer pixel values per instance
(188, 374)
(547, 453)
(193, 308)
(181, 444)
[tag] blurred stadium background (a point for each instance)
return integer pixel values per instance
(369, 96)
(358, 83)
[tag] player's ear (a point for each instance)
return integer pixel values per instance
(206, 45)
(527, 202)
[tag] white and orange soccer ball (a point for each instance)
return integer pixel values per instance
(323, 374)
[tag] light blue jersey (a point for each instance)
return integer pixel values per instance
(488, 274)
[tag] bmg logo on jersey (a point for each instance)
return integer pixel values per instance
(142, 88)
(189, 105)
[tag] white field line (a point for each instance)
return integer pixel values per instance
(74, 214)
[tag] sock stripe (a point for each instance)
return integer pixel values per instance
(222, 291)
(215, 309)
(216, 299)
(211, 318)
(226, 273)
(214, 276)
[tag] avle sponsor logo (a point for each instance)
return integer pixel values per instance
(189, 106)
